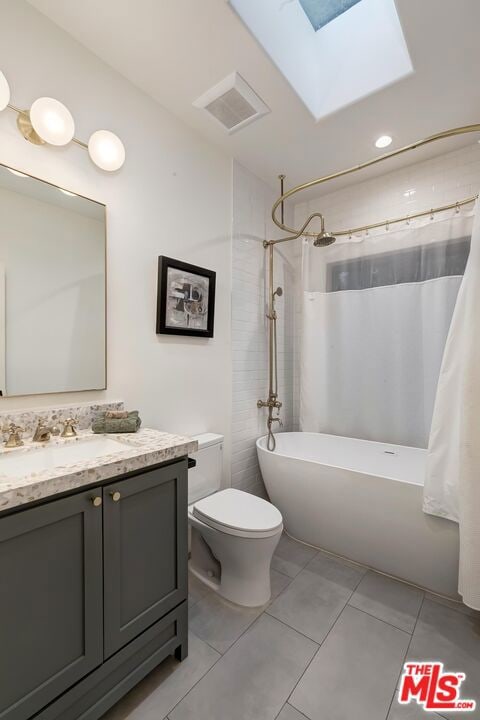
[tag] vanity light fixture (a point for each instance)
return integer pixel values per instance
(383, 141)
(106, 150)
(52, 121)
(49, 122)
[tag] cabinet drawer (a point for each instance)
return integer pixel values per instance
(50, 601)
(145, 551)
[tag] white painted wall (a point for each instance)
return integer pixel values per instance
(252, 224)
(54, 261)
(172, 197)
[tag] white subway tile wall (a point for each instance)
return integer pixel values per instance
(252, 203)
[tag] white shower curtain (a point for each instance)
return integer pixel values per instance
(371, 352)
(376, 376)
(452, 486)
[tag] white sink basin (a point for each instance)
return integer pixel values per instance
(47, 457)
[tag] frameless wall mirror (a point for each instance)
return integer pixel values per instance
(52, 288)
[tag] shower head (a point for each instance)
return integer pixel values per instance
(278, 292)
(324, 239)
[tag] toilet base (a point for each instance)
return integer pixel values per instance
(237, 568)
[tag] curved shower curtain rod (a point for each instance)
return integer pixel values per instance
(324, 238)
(386, 156)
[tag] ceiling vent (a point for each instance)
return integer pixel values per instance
(232, 103)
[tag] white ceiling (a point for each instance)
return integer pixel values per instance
(175, 50)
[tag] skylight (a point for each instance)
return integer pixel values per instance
(321, 12)
(361, 52)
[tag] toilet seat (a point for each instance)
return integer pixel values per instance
(235, 512)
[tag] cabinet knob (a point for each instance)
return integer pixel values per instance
(115, 496)
(96, 501)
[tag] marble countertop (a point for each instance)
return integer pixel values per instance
(142, 449)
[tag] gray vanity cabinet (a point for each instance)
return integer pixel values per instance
(93, 594)
(145, 553)
(50, 601)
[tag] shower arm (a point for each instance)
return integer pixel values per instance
(272, 402)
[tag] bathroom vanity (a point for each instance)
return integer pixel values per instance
(93, 571)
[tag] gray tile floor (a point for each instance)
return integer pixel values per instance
(330, 645)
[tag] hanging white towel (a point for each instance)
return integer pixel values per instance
(452, 485)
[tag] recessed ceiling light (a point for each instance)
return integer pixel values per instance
(383, 141)
(16, 172)
(67, 192)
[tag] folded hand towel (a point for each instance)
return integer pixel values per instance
(128, 424)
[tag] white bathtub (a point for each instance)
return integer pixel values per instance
(363, 501)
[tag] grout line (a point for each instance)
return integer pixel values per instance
(433, 595)
(404, 658)
(285, 574)
(221, 655)
(199, 680)
(385, 622)
(297, 711)
(236, 640)
(207, 643)
(324, 639)
(285, 624)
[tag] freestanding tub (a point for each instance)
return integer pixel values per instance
(361, 500)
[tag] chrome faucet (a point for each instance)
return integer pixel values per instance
(43, 432)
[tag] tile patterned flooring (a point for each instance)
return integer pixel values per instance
(330, 645)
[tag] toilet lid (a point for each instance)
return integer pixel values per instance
(238, 510)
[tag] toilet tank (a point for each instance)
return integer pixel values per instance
(206, 477)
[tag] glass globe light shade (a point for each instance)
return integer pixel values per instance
(52, 121)
(106, 150)
(4, 91)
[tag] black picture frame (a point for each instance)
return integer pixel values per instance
(163, 328)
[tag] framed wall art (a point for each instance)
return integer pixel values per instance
(185, 299)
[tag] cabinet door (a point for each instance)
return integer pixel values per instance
(145, 551)
(50, 601)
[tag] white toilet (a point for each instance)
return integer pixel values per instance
(234, 533)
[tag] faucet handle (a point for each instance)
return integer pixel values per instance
(69, 427)
(12, 428)
(14, 435)
(42, 425)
